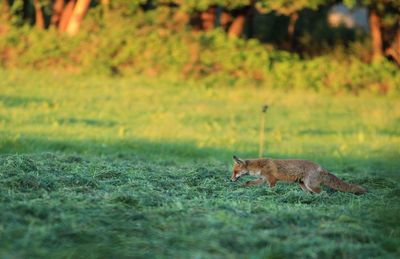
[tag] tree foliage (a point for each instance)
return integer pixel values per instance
(287, 7)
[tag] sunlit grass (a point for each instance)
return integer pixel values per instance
(123, 167)
(56, 107)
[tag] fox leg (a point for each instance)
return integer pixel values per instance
(312, 185)
(304, 187)
(315, 189)
(271, 180)
(254, 182)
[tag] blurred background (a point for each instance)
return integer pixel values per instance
(309, 44)
(110, 73)
(82, 71)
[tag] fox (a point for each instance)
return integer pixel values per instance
(308, 174)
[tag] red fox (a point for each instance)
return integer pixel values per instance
(309, 174)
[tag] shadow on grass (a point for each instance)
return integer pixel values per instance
(382, 165)
(17, 101)
(121, 148)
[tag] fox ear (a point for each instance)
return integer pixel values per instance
(238, 160)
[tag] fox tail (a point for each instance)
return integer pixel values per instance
(333, 182)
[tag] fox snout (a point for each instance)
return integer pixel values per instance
(234, 175)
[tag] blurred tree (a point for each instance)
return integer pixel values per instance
(77, 15)
(240, 16)
(383, 16)
(66, 15)
(105, 5)
(234, 16)
(393, 51)
(5, 10)
(207, 14)
(376, 35)
(17, 12)
(39, 18)
(291, 9)
(5, 16)
(58, 7)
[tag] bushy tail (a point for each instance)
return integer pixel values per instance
(333, 182)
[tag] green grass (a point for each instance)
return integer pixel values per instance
(130, 167)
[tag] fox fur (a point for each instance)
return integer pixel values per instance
(307, 173)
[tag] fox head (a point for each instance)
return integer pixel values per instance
(239, 168)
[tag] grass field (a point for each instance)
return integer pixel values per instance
(94, 167)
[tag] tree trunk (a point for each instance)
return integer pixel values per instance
(79, 12)
(5, 10)
(105, 5)
(5, 17)
(224, 19)
(291, 29)
(39, 19)
(208, 19)
(236, 28)
(376, 34)
(66, 15)
(58, 7)
(394, 50)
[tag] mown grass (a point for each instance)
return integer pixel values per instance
(97, 167)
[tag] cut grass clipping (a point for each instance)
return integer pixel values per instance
(56, 205)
